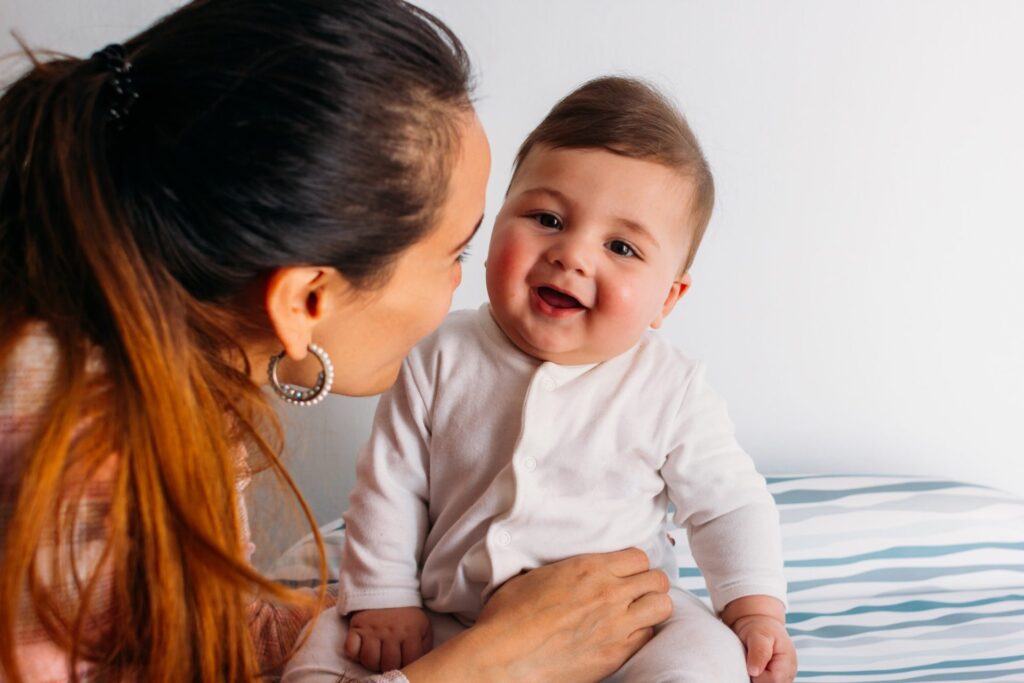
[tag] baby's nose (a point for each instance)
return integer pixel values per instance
(572, 255)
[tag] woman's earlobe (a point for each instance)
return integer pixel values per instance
(294, 301)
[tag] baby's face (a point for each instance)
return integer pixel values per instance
(586, 252)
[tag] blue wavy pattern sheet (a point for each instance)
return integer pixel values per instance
(899, 579)
(891, 579)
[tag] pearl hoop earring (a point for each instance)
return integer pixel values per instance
(300, 396)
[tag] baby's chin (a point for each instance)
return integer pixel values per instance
(550, 346)
(563, 354)
(579, 356)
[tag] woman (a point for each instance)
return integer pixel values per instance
(249, 189)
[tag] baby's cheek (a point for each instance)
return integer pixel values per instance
(506, 268)
(627, 316)
(630, 304)
(647, 298)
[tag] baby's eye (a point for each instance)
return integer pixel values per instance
(548, 220)
(621, 248)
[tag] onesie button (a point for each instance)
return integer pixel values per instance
(530, 463)
(548, 383)
(504, 538)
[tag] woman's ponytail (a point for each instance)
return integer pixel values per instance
(173, 402)
(265, 134)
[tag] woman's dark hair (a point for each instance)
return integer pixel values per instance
(266, 133)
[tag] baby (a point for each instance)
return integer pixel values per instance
(551, 423)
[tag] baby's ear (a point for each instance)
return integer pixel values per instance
(679, 287)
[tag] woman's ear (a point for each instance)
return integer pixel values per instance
(294, 301)
(679, 287)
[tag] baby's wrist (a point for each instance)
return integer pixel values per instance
(749, 606)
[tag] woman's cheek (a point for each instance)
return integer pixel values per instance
(434, 313)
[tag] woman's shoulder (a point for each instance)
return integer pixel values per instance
(29, 376)
(30, 369)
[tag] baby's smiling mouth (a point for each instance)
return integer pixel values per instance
(556, 299)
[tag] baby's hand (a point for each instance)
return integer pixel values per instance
(388, 639)
(771, 656)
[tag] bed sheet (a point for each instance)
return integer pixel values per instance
(890, 578)
(898, 578)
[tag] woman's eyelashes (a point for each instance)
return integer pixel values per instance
(464, 255)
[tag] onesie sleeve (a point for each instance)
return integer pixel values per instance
(386, 521)
(722, 501)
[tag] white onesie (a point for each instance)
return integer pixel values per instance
(485, 462)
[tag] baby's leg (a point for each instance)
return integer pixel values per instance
(693, 646)
(322, 658)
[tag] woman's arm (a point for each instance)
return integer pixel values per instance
(574, 621)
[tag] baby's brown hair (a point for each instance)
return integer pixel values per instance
(633, 119)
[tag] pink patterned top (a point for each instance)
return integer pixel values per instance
(26, 380)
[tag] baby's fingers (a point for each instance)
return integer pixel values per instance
(781, 669)
(413, 648)
(390, 655)
(759, 652)
(352, 645)
(369, 653)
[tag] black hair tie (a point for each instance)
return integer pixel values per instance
(122, 89)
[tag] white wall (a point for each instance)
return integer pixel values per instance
(858, 297)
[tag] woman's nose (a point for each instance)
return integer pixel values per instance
(571, 254)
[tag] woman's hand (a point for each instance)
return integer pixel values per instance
(576, 620)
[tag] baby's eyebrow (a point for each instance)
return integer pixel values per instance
(549, 191)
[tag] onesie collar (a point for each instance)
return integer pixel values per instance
(559, 373)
